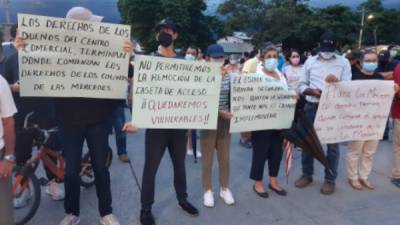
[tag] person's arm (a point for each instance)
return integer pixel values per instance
(304, 82)
(388, 75)
(9, 135)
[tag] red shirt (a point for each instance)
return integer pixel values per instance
(396, 102)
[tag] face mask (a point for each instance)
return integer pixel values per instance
(190, 57)
(165, 39)
(393, 53)
(370, 67)
(233, 61)
(295, 61)
(326, 55)
(271, 64)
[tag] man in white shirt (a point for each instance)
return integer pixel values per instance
(7, 146)
(324, 67)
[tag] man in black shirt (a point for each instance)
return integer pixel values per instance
(158, 140)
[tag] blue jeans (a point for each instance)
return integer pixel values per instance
(118, 121)
(72, 138)
(333, 153)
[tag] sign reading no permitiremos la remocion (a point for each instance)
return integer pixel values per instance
(354, 111)
(175, 94)
(72, 58)
(259, 102)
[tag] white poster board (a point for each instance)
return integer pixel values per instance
(354, 111)
(259, 102)
(71, 58)
(175, 94)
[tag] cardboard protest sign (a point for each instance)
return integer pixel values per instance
(72, 58)
(175, 94)
(354, 111)
(259, 102)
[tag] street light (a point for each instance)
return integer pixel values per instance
(369, 17)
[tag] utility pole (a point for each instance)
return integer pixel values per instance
(362, 27)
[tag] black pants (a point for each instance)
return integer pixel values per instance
(156, 142)
(267, 145)
(72, 139)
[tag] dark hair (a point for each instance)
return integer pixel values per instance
(253, 53)
(195, 48)
(289, 54)
(268, 49)
(368, 52)
(354, 55)
(242, 61)
(13, 31)
(391, 47)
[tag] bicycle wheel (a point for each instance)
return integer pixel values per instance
(27, 195)
(87, 173)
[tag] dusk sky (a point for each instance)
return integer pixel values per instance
(109, 10)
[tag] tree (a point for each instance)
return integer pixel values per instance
(196, 28)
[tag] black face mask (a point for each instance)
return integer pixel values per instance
(165, 39)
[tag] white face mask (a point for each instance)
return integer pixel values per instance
(326, 55)
(190, 57)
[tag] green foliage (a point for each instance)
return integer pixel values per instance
(297, 25)
(193, 26)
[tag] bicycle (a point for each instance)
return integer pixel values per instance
(27, 185)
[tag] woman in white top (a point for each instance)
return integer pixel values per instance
(267, 144)
(292, 71)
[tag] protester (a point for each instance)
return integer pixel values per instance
(7, 158)
(8, 47)
(326, 66)
(43, 116)
(396, 131)
(292, 70)
(386, 67)
(77, 124)
(360, 153)
(393, 50)
(250, 66)
(1, 60)
(233, 65)
(117, 122)
(158, 140)
(192, 55)
(354, 58)
(267, 144)
(218, 140)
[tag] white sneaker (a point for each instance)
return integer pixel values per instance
(198, 154)
(109, 220)
(70, 220)
(208, 199)
(55, 190)
(23, 200)
(227, 196)
(190, 152)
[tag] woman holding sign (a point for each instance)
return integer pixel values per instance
(218, 140)
(267, 144)
(360, 153)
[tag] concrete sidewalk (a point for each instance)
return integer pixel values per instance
(300, 207)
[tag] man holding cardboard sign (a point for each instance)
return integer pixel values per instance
(79, 118)
(325, 67)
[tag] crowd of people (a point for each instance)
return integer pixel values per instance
(303, 73)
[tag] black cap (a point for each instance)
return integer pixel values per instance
(215, 51)
(167, 23)
(384, 55)
(327, 42)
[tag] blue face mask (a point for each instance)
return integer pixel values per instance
(190, 57)
(370, 67)
(393, 53)
(271, 64)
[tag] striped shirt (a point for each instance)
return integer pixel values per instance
(225, 94)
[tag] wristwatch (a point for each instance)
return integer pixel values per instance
(10, 158)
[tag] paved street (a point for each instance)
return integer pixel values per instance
(300, 207)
